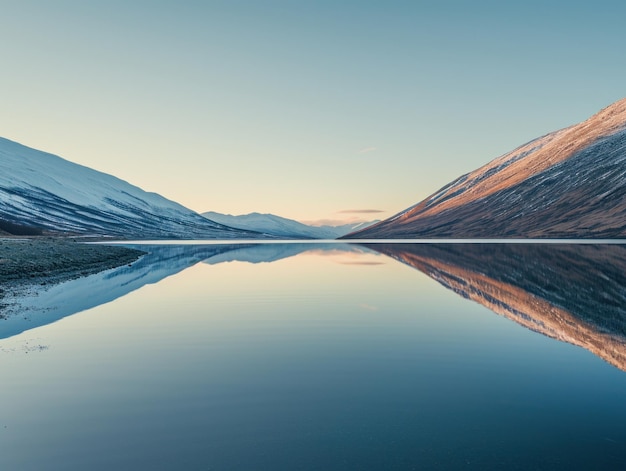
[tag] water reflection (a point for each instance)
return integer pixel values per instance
(36, 309)
(572, 293)
(321, 362)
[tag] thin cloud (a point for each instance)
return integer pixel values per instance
(334, 222)
(356, 262)
(346, 216)
(361, 211)
(368, 307)
(366, 150)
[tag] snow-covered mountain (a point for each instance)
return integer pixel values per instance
(568, 184)
(45, 192)
(283, 227)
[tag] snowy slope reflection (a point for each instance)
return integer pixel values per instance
(62, 300)
(573, 293)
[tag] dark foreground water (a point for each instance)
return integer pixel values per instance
(324, 357)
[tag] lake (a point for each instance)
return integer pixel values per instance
(324, 356)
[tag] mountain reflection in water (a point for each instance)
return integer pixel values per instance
(35, 309)
(569, 292)
(572, 293)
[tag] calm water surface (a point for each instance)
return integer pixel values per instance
(323, 357)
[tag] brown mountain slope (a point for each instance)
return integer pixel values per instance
(570, 183)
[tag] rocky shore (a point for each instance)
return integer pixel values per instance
(29, 262)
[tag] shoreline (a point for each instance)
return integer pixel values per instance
(40, 262)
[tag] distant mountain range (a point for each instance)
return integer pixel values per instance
(282, 227)
(43, 193)
(568, 184)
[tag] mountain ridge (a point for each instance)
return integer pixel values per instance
(568, 183)
(42, 191)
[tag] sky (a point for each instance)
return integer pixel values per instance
(312, 110)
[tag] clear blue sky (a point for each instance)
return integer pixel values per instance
(306, 109)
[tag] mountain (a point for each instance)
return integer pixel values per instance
(569, 292)
(282, 227)
(568, 184)
(43, 192)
